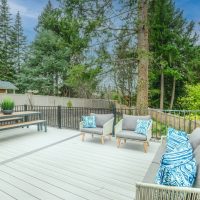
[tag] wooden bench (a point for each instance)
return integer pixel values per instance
(39, 124)
(16, 119)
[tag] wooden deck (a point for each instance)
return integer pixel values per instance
(57, 165)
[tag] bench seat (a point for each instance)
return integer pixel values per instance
(11, 119)
(23, 124)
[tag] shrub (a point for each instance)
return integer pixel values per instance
(69, 104)
(7, 104)
(191, 101)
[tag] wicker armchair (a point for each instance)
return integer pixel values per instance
(104, 123)
(124, 129)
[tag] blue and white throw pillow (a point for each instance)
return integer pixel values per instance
(142, 126)
(178, 167)
(89, 121)
(175, 138)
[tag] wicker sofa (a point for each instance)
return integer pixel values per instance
(147, 190)
(125, 129)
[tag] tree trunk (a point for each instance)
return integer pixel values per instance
(162, 83)
(173, 94)
(143, 58)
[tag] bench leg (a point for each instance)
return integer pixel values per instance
(38, 127)
(82, 136)
(41, 127)
(45, 127)
(145, 147)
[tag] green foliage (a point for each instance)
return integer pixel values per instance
(69, 104)
(63, 36)
(19, 44)
(83, 80)
(7, 104)
(175, 53)
(191, 100)
(46, 65)
(159, 129)
(116, 96)
(193, 116)
(125, 69)
(12, 44)
(6, 69)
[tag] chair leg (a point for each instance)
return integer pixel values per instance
(110, 137)
(145, 146)
(82, 136)
(118, 142)
(102, 139)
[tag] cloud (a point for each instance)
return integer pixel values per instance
(24, 11)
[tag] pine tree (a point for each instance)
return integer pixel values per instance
(19, 44)
(46, 17)
(172, 44)
(6, 70)
(63, 35)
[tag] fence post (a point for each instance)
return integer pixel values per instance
(190, 126)
(59, 117)
(114, 113)
(25, 109)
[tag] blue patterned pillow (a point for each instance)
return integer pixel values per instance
(142, 126)
(175, 138)
(178, 167)
(89, 121)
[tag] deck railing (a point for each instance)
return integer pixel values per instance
(64, 117)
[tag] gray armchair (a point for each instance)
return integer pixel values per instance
(125, 129)
(104, 123)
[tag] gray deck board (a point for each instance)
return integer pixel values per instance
(48, 166)
(6, 196)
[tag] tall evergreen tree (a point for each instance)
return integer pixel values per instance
(6, 70)
(19, 43)
(46, 17)
(63, 36)
(172, 41)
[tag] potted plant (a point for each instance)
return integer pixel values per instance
(7, 106)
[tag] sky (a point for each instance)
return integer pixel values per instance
(31, 9)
